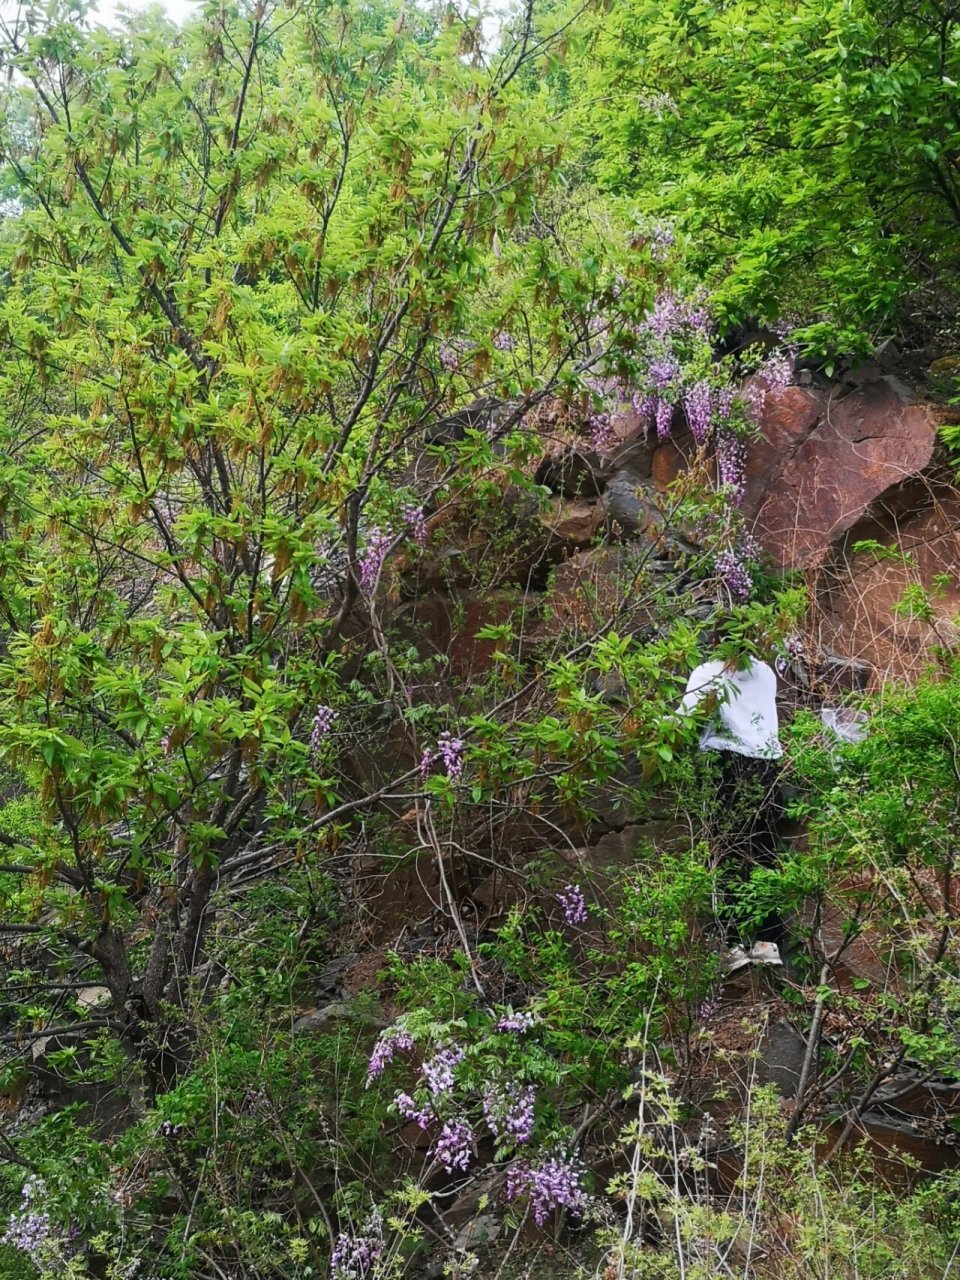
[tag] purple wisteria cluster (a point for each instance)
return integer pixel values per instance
(416, 524)
(420, 1115)
(438, 1070)
(732, 465)
(660, 240)
(772, 378)
(599, 417)
(504, 342)
(574, 904)
(711, 1006)
(354, 1257)
(393, 1039)
(794, 650)
(698, 405)
(555, 1183)
(450, 752)
(509, 1108)
(673, 332)
(451, 352)
(734, 574)
(455, 1146)
(33, 1231)
(509, 1111)
(672, 315)
(323, 722)
(374, 554)
(520, 1022)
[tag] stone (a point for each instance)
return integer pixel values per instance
(576, 471)
(629, 503)
(782, 1052)
(593, 586)
(482, 414)
(577, 521)
(862, 598)
(619, 848)
(94, 997)
(670, 461)
(323, 1021)
(786, 421)
(864, 444)
(479, 1231)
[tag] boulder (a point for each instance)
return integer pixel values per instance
(865, 597)
(588, 589)
(821, 466)
(782, 1052)
(576, 521)
(576, 471)
(631, 504)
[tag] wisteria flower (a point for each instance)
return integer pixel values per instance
(510, 1112)
(454, 1147)
(408, 1108)
(777, 372)
(391, 1040)
(660, 241)
(438, 1070)
(374, 554)
(519, 1022)
(664, 418)
(416, 523)
(732, 465)
(355, 1256)
(574, 904)
(451, 751)
(555, 1183)
(734, 574)
(698, 406)
(323, 722)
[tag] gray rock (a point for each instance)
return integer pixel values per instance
(576, 473)
(627, 501)
(330, 982)
(479, 1231)
(781, 1058)
(323, 1021)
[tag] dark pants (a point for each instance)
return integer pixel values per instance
(746, 835)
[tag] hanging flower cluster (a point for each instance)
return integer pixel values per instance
(33, 1231)
(450, 753)
(554, 1183)
(416, 524)
(374, 554)
(323, 722)
(574, 904)
(393, 1038)
(447, 1101)
(355, 1256)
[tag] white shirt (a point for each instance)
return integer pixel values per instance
(745, 720)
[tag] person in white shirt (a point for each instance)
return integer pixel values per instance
(742, 728)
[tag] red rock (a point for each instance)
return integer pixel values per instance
(865, 444)
(576, 521)
(669, 460)
(592, 587)
(859, 597)
(786, 421)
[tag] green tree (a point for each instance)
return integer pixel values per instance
(805, 149)
(256, 259)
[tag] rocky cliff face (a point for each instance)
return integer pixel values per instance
(846, 484)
